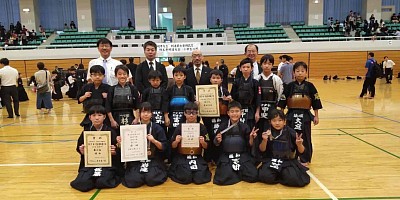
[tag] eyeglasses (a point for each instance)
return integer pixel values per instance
(196, 55)
(191, 112)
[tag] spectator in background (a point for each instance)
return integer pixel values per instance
(388, 69)
(42, 78)
(42, 31)
(224, 69)
(132, 68)
(72, 25)
(218, 22)
(81, 74)
(123, 61)
(394, 18)
(337, 26)
(182, 62)
(358, 19)
(9, 77)
(206, 64)
(397, 33)
(184, 21)
(370, 78)
(130, 23)
(66, 26)
(286, 71)
(170, 75)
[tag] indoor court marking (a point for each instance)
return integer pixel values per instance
(38, 152)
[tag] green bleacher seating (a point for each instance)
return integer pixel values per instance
(214, 30)
(316, 33)
(269, 34)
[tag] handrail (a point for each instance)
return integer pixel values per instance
(225, 42)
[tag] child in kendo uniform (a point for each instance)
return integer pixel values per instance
(157, 96)
(246, 91)
(152, 171)
(300, 96)
(213, 123)
(278, 147)
(102, 177)
(271, 90)
(94, 93)
(188, 164)
(122, 100)
(57, 84)
(234, 140)
(178, 96)
(22, 96)
(71, 81)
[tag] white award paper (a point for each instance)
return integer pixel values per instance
(190, 135)
(133, 142)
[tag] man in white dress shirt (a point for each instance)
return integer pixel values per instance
(251, 51)
(9, 77)
(388, 69)
(104, 46)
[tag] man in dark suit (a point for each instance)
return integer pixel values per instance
(143, 69)
(251, 51)
(224, 69)
(132, 68)
(197, 75)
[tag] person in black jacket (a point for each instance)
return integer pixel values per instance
(143, 69)
(132, 68)
(197, 75)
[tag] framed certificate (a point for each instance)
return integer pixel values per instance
(207, 95)
(133, 142)
(97, 148)
(190, 135)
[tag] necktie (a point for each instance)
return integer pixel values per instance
(151, 66)
(105, 71)
(198, 74)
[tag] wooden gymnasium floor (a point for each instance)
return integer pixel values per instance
(356, 156)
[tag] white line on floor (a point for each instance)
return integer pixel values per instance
(37, 164)
(322, 186)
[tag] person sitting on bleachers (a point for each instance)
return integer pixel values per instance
(394, 18)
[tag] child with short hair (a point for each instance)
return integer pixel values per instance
(278, 148)
(234, 140)
(94, 93)
(102, 177)
(188, 165)
(122, 100)
(300, 96)
(151, 172)
(271, 90)
(247, 92)
(212, 123)
(158, 99)
(178, 96)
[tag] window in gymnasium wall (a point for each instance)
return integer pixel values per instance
(113, 14)
(339, 9)
(54, 13)
(9, 13)
(228, 11)
(284, 11)
(395, 3)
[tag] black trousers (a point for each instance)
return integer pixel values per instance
(388, 74)
(369, 85)
(8, 92)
